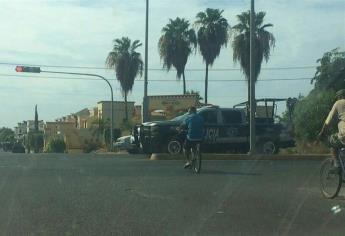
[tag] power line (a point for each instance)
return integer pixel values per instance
(157, 69)
(155, 80)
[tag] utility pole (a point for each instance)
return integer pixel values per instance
(145, 100)
(252, 102)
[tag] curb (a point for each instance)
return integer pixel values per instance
(110, 153)
(233, 157)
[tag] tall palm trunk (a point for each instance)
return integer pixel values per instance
(206, 83)
(126, 108)
(184, 83)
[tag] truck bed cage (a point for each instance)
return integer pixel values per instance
(269, 108)
(266, 100)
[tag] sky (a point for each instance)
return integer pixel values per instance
(80, 33)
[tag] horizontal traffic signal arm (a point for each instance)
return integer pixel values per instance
(30, 69)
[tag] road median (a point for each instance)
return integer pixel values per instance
(223, 157)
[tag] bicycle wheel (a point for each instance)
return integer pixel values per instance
(330, 180)
(196, 159)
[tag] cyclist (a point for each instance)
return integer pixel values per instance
(337, 140)
(194, 124)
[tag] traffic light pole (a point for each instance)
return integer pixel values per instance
(112, 97)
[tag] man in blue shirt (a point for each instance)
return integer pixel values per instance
(194, 124)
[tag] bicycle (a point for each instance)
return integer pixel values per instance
(195, 151)
(196, 157)
(331, 179)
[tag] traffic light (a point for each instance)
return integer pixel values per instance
(30, 69)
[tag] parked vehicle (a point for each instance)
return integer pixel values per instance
(6, 146)
(226, 130)
(126, 143)
(18, 148)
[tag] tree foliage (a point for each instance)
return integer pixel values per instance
(6, 135)
(264, 41)
(101, 131)
(56, 145)
(35, 141)
(127, 63)
(213, 34)
(175, 45)
(99, 126)
(197, 93)
(310, 113)
(330, 74)
(312, 110)
(36, 119)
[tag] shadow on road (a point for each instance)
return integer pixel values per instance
(218, 172)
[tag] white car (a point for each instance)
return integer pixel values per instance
(126, 143)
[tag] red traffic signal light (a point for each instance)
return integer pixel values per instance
(30, 69)
(19, 68)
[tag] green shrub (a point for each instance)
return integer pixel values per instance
(90, 146)
(56, 146)
(34, 141)
(310, 114)
(116, 134)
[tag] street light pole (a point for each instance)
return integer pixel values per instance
(112, 97)
(145, 100)
(252, 103)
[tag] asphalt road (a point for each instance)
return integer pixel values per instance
(131, 195)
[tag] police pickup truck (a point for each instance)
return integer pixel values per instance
(226, 130)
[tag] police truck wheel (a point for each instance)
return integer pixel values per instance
(267, 147)
(174, 147)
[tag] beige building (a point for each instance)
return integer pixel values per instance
(93, 112)
(104, 111)
(82, 118)
(56, 129)
(137, 119)
(74, 138)
(68, 118)
(30, 125)
(169, 106)
(78, 129)
(90, 121)
(21, 130)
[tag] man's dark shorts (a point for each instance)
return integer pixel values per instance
(334, 141)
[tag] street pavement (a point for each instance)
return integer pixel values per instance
(60, 194)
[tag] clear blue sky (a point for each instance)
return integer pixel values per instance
(80, 33)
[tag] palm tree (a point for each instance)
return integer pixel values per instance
(127, 64)
(175, 45)
(213, 34)
(263, 41)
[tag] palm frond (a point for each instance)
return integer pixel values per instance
(176, 44)
(259, 18)
(126, 61)
(265, 26)
(264, 42)
(213, 33)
